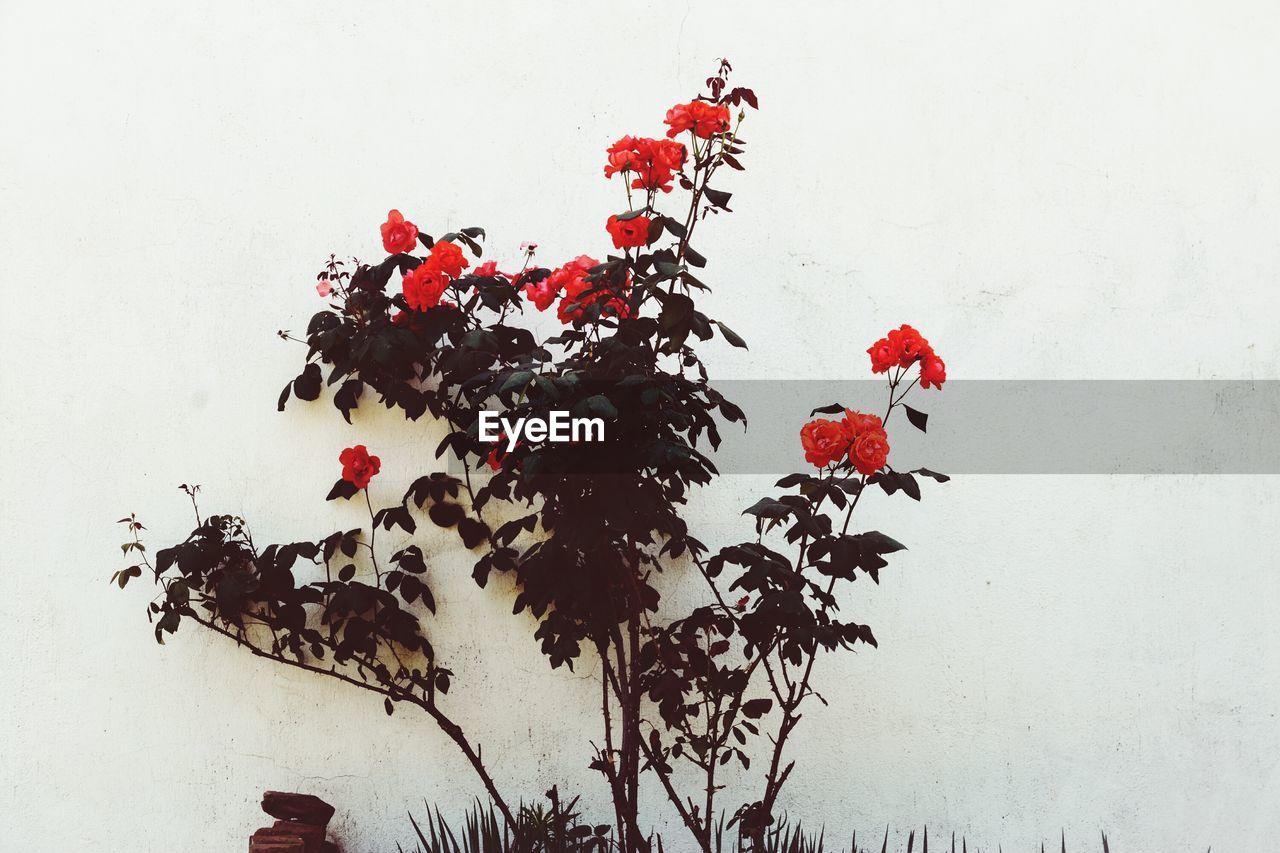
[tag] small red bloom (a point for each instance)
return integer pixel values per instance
(869, 445)
(358, 467)
(449, 258)
(628, 233)
(488, 269)
(884, 354)
(869, 451)
(910, 345)
(824, 441)
(495, 456)
(704, 119)
(543, 292)
(857, 422)
(623, 155)
(324, 287)
(423, 286)
(933, 372)
(669, 154)
(498, 455)
(398, 235)
(572, 279)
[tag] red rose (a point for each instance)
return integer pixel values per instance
(496, 455)
(408, 319)
(542, 292)
(423, 286)
(571, 280)
(488, 269)
(358, 467)
(669, 154)
(869, 446)
(884, 354)
(869, 451)
(857, 422)
(621, 155)
(652, 161)
(628, 233)
(933, 372)
(824, 441)
(449, 258)
(397, 234)
(910, 345)
(704, 119)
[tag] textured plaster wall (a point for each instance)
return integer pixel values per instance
(1083, 190)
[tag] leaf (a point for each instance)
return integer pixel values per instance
(918, 418)
(768, 508)
(881, 543)
(519, 379)
(599, 405)
(348, 397)
(347, 572)
(833, 409)
(446, 514)
(307, 385)
(676, 310)
(410, 560)
(344, 489)
(925, 472)
(719, 198)
(909, 486)
(386, 703)
(731, 336)
(122, 577)
(473, 532)
(892, 481)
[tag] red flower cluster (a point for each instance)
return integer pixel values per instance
(545, 291)
(860, 437)
(702, 117)
(358, 467)
(904, 347)
(567, 284)
(426, 283)
(397, 234)
(652, 162)
(628, 233)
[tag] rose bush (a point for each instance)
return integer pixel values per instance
(585, 527)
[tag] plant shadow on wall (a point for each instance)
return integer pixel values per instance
(583, 527)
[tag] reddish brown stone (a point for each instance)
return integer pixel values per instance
(310, 833)
(276, 844)
(270, 833)
(303, 808)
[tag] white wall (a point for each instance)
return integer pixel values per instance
(1049, 190)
